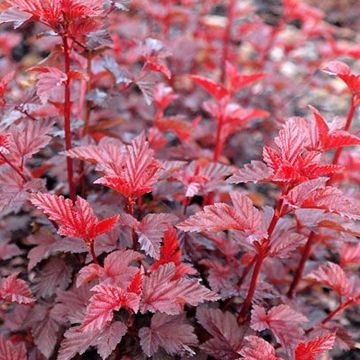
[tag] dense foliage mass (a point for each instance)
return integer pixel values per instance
(179, 179)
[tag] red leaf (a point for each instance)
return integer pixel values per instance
(105, 154)
(343, 72)
(333, 276)
(172, 333)
(49, 79)
(159, 67)
(292, 139)
(257, 348)
(313, 194)
(76, 220)
(111, 336)
(117, 269)
(14, 192)
(55, 275)
(15, 16)
(324, 139)
(349, 254)
(10, 351)
(227, 335)
(137, 172)
(162, 293)
(218, 91)
(105, 301)
(242, 216)
(312, 349)
(150, 231)
(28, 138)
(239, 81)
(284, 322)
(163, 96)
(171, 253)
(254, 172)
(78, 341)
(15, 290)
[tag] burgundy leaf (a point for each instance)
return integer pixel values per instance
(227, 335)
(284, 322)
(242, 216)
(10, 351)
(15, 290)
(162, 293)
(257, 348)
(332, 276)
(172, 333)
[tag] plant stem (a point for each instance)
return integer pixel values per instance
(254, 279)
(218, 141)
(88, 89)
(263, 248)
(246, 272)
(87, 113)
(300, 269)
(340, 308)
(272, 37)
(67, 118)
(227, 38)
(349, 119)
(92, 251)
(17, 170)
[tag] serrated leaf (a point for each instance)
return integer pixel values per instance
(227, 335)
(312, 349)
(218, 91)
(257, 348)
(254, 172)
(16, 290)
(29, 137)
(162, 293)
(109, 298)
(172, 333)
(241, 216)
(10, 351)
(76, 220)
(15, 16)
(332, 276)
(284, 322)
(137, 172)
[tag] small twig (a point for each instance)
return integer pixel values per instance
(17, 170)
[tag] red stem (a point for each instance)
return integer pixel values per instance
(274, 32)
(340, 308)
(300, 269)
(88, 89)
(218, 141)
(263, 248)
(246, 272)
(87, 113)
(67, 118)
(349, 119)
(227, 38)
(92, 251)
(130, 205)
(254, 279)
(13, 167)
